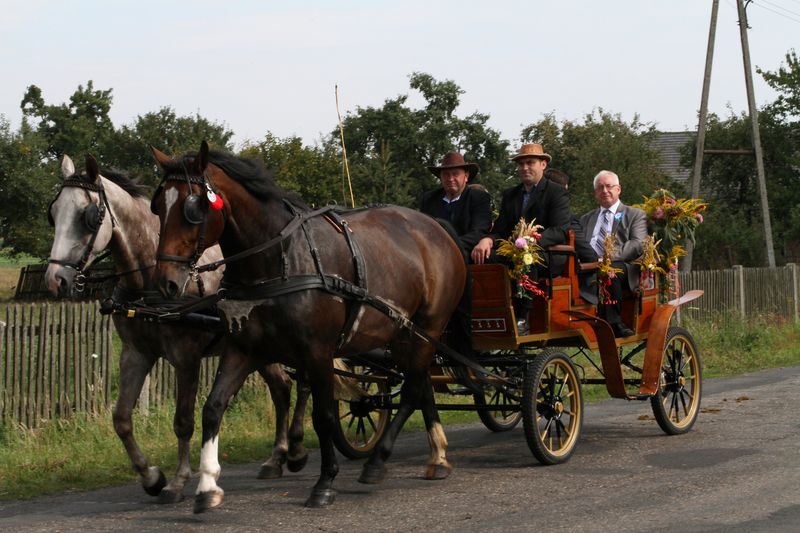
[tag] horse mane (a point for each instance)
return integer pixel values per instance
(249, 173)
(128, 183)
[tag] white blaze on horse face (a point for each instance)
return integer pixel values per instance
(170, 199)
(209, 466)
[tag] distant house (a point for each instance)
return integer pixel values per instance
(669, 144)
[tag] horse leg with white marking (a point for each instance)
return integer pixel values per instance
(231, 375)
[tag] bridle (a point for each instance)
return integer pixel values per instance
(195, 212)
(93, 217)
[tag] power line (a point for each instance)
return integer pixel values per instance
(773, 4)
(787, 17)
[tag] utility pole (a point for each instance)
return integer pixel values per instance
(701, 125)
(751, 100)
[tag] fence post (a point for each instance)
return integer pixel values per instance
(795, 304)
(738, 274)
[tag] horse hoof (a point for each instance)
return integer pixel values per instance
(296, 465)
(321, 498)
(269, 471)
(204, 501)
(372, 475)
(168, 496)
(438, 471)
(155, 489)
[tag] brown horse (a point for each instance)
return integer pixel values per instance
(305, 288)
(93, 212)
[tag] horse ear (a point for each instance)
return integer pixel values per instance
(67, 166)
(161, 158)
(202, 157)
(92, 170)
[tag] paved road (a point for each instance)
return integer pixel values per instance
(738, 470)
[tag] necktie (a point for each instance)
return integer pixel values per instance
(602, 232)
(526, 200)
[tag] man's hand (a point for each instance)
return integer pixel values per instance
(482, 250)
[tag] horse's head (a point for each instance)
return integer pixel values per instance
(82, 227)
(192, 214)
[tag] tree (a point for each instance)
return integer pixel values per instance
(75, 128)
(312, 172)
(601, 141)
(786, 81)
(27, 186)
(732, 232)
(167, 132)
(400, 139)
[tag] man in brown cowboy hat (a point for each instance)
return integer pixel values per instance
(467, 209)
(535, 198)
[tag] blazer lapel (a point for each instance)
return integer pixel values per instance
(619, 217)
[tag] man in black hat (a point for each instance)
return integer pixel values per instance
(467, 209)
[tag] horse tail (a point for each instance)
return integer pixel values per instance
(345, 388)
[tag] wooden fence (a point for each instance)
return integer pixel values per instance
(55, 360)
(31, 284)
(745, 291)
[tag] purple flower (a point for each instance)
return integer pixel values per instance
(521, 243)
(670, 201)
(658, 214)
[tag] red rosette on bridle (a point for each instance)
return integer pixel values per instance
(215, 200)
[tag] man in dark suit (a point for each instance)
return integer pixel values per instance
(467, 209)
(535, 198)
(629, 226)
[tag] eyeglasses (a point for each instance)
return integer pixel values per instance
(606, 187)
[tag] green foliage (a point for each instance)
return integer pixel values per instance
(601, 141)
(397, 138)
(169, 133)
(786, 81)
(314, 173)
(733, 230)
(26, 184)
(75, 128)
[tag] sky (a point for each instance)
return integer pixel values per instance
(272, 66)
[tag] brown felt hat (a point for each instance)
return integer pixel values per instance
(455, 160)
(532, 150)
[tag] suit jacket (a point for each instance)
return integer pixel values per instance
(549, 206)
(630, 227)
(471, 216)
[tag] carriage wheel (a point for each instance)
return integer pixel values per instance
(677, 402)
(507, 415)
(552, 407)
(361, 421)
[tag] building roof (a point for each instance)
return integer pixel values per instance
(669, 144)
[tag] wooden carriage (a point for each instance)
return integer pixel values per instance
(538, 377)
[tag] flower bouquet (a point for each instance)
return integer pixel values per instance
(674, 221)
(605, 271)
(523, 252)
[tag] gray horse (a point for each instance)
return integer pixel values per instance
(93, 212)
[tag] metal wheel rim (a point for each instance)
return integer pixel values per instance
(558, 408)
(360, 426)
(679, 389)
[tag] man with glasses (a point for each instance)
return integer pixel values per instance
(629, 227)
